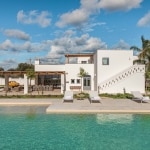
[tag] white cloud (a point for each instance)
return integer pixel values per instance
(26, 46)
(10, 63)
(90, 26)
(144, 21)
(73, 44)
(118, 5)
(79, 16)
(121, 45)
(6, 45)
(87, 8)
(16, 34)
(34, 17)
(76, 18)
(90, 6)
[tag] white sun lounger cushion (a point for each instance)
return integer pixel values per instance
(146, 98)
(68, 97)
(95, 98)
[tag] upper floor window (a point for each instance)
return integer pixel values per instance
(105, 61)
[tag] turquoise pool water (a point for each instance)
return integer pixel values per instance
(32, 129)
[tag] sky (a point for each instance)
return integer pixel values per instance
(48, 29)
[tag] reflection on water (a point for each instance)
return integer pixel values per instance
(116, 118)
(29, 110)
(31, 114)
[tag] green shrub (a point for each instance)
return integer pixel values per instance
(31, 96)
(83, 95)
(117, 96)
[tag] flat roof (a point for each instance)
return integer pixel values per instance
(79, 55)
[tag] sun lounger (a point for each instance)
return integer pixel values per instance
(94, 97)
(138, 96)
(68, 96)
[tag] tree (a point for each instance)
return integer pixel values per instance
(82, 74)
(24, 67)
(1, 69)
(30, 74)
(11, 69)
(144, 53)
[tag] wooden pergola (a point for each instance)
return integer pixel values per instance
(36, 72)
(7, 74)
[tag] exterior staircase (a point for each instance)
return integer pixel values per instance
(121, 76)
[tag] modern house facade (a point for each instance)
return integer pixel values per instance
(108, 71)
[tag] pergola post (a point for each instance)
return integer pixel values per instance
(25, 84)
(62, 83)
(6, 82)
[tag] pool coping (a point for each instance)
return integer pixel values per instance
(97, 111)
(80, 107)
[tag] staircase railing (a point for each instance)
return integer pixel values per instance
(121, 76)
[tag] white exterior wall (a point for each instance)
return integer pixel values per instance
(135, 82)
(80, 59)
(49, 67)
(118, 61)
(95, 72)
(72, 71)
(2, 81)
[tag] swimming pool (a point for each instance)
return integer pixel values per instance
(35, 130)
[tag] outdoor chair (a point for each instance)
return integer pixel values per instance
(138, 96)
(94, 97)
(68, 96)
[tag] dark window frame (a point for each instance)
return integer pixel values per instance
(105, 61)
(78, 81)
(72, 81)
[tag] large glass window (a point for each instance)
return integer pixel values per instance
(105, 61)
(86, 82)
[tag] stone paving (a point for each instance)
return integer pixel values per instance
(107, 105)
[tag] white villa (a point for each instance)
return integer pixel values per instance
(108, 71)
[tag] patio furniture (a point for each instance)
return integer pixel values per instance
(138, 96)
(94, 97)
(68, 96)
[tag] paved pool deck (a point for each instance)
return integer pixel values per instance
(107, 105)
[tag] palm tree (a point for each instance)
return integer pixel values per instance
(144, 53)
(82, 74)
(144, 57)
(30, 74)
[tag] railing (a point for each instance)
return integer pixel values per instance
(121, 76)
